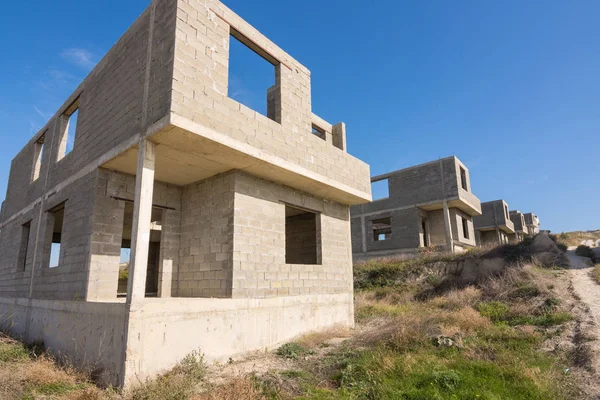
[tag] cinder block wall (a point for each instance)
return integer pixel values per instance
(259, 267)
(200, 94)
(114, 100)
(206, 261)
(437, 228)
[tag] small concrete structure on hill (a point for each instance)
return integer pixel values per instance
(518, 220)
(494, 226)
(533, 223)
(424, 206)
(235, 225)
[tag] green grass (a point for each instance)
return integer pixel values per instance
(13, 352)
(431, 373)
(501, 313)
(293, 351)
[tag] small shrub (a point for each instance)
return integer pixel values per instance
(525, 291)
(585, 251)
(178, 384)
(293, 351)
(447, 380)
(495, 310)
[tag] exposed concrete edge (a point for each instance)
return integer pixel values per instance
(73, 306)
(186, 304)
(418, 205)
(389, 174)
(489, 228)
(198, 129)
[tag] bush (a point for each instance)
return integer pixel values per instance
(585, 251)
(293, 351)
(497, 311)
(179, 383)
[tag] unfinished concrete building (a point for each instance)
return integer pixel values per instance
(237, 223)
(533, 223)
(494, 226)
(428, 205)
(518, 220)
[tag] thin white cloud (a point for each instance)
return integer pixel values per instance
(42, 114)
(80, 57)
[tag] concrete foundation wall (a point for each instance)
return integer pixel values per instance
(226, 327)
(91, 335)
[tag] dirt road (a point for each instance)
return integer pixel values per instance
(586, 288)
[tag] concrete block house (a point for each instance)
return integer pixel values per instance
(533, 223)
(428, 205)
(237, 224)
(518, 220)
(494, 226)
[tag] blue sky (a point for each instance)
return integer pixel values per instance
(512, 88)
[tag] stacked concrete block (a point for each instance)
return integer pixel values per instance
(156, 168)
(429, 205)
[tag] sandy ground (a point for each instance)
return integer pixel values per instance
(587, 328)
(585, 287)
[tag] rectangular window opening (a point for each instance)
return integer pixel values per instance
(69, 130)
(506, 212)
(57, 216)
(38, 152)
(25, 231)
(153, 251)
(252, 77)
(302, 236)
(380, 189)
(382, 229)
(463, 178)
(424, 232)
(465, 227)
(319, 132)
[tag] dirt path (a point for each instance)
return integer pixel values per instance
(585, 287)
(587, 324)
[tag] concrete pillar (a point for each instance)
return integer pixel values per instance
(338, 133)
(448, 228)
(142, 212)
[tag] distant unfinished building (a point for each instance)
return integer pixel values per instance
(237, 224)
(518, 220)
(533, 223)
(494, 226)
(426, 205)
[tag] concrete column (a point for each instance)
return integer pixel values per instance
(142, 212)
(338, 133)
(448, 228)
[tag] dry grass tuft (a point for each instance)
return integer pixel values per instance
(317, 339)
(458, 298)
(238, 388)
(595, 273)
